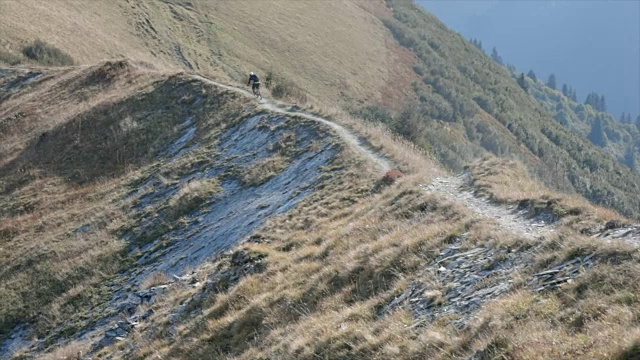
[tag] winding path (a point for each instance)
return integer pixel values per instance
(347, 136)
(454, 187)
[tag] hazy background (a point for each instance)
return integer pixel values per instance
(591, 45)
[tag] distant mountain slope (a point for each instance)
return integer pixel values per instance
(468, 105)
(619, 140)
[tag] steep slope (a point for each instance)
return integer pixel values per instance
(115, 173)
(153, 213)
(469, 105)
(394, 63)
(406, 273)
(224, 39)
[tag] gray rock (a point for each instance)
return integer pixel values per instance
(124, 325)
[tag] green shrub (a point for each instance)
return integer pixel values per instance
(47, 54)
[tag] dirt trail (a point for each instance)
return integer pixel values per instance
(455, 188)
(458, 188)
(347, 136)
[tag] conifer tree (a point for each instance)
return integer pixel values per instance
(523, 82)
(532, 75)
(602, 104)
(597, 135)
(552, 81)
(589, 100)
(630, 158)
(496, 57)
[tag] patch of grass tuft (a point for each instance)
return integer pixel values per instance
(192, 195)
(630, 353)
(282, 88)
(264, 170)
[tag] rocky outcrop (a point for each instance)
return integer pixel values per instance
(234, 266)
(615, 231)
(121, 329)
(461, 281)
(458, 282)
(561, 274)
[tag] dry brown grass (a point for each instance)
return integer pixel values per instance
(366, 64)
(89, 31)
(72, 351)
(155, 279)
(67, 96)
(507, 182)
(49, 268)
(336, 259)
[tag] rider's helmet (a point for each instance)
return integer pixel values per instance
(251, 73)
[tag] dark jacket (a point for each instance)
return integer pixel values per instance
(253, 78)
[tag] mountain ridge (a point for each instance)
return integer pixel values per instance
(149, 212)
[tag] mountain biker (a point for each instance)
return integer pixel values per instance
(256, 83)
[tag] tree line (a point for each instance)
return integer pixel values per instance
(595, 100)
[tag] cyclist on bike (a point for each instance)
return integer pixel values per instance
(256, 83)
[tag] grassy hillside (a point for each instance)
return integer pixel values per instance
(319, 282)
(295, 39)
(148, 213)
(72, 143)
(394, 63)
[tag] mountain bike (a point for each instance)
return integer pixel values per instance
(256, 92)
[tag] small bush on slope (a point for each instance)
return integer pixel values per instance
(282, 88)
(263, 170)
(46, 54)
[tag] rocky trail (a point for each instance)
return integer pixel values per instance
(347, 136)
(458, 188)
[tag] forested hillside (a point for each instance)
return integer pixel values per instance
(619, 139)
(467, 105)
